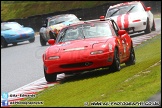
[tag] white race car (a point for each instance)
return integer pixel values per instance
(132, 16)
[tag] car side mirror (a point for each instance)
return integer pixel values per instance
(51, 41)
(121, 32)
(44, 25)
(80, 18)
(148, 8)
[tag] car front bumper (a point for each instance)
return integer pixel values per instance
(78, 62)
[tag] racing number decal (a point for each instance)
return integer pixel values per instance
(118, 41)
(124, 46)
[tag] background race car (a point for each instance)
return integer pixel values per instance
(53, 24)
(132, 16)
(13, 32)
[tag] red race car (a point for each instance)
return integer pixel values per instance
(88, 45)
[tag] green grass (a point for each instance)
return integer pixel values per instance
(134, 83)
(157, 15)
(22, 9)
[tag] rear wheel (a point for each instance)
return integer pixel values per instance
(131, 60)
(50, 77)
(116, 62)
(3, 42)
(153, 26)
(148, 28)
(42, 41)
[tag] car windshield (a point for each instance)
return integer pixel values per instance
(61, 19)
(130, 8)
(84, 31)
(9, 26)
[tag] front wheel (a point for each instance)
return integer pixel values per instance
(50, 77)
(32, 40)
(148, 28)
(3, 42)
(116, 62)
(153, 26)
(132, 58)
(42, 41)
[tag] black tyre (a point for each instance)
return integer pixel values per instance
(42, 41)
(50, 77)
(132, 58)
(148, 28)
(116, 62)
(32, 40)
(3, 43)
(153, 26)
(52, 35)
(14, 43)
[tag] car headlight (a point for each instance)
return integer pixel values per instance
(97, 52)
(53, 57)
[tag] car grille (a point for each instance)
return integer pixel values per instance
(75, 65)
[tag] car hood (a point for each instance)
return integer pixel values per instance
(75, 45)
(125, 19)
(17, 31)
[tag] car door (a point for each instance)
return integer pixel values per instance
(121, 40)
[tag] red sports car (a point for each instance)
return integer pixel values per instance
(88, 45)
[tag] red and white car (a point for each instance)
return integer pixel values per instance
(88, 45)
(132, 16)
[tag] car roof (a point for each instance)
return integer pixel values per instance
(122, 4)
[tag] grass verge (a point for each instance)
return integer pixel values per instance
(134, 83)
(22, 9)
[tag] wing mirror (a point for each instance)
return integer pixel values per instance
(102, 18)
(51, 41)
(121, 32)
(148, 8)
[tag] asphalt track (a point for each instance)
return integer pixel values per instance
(22, 65)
